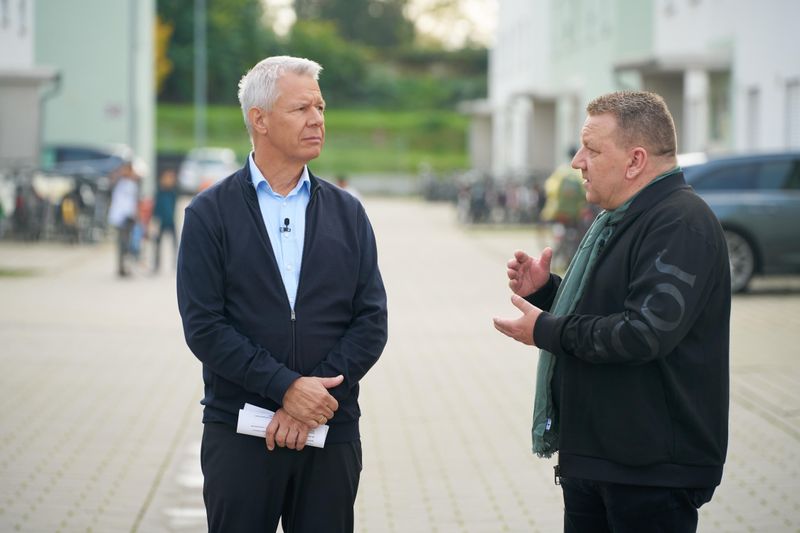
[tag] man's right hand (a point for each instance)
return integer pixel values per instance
(309, 401)
(528, 274)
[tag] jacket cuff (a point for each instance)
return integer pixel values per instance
(543, 298)
(545, 333)
(280, 383)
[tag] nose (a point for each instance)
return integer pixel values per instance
(317, 117)
(577, 160)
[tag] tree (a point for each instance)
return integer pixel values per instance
(237, 39)
(344, 63)
(378, 23)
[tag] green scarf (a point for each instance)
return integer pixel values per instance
(545, 424)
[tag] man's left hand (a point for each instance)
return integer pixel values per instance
(520, 329)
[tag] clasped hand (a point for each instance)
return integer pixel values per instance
(307, 404)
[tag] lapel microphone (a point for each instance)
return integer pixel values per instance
(285, 228)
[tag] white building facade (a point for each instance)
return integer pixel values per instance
(104, 50)
(728, 69)
(22, 85)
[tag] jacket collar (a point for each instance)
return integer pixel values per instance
(655, 192)
(245, 180)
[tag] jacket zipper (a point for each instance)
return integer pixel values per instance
(293, 316)
(294, 342)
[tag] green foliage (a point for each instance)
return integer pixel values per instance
(357, 140)
(236, 37)
(463, 62)
(388, 87)
(175, 128)
(364, 46)
(344, 63)
(376, 23)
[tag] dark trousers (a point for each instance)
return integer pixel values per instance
(124, 234)
(248, 488)
(162, 229)
(598, 507)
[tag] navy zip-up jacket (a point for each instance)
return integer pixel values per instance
(236, 316)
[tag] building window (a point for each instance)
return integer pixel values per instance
(753, 117)
(23, 18)
(793, 114)
(719, 109)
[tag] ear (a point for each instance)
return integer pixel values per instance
(636, 163)
(259, 120)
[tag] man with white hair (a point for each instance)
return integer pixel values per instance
(283, 303)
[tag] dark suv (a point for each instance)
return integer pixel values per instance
(757, 200)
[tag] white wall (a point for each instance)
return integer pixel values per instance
(542, 142)
(761, 39)
(16, 33)
(104, 49)
(520, 59)
(480, 143)
(21, 83)
(770, 61)
(561, 53)
(519, 65)
(708, 58)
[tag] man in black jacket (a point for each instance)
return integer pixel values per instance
(283, 303)
(632, 382)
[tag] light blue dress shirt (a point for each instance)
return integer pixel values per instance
(285, 220)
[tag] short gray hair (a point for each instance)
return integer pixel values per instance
(642, 119)
(258, 88)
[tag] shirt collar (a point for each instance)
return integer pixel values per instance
(258, 178)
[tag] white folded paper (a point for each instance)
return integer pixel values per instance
(253, 420)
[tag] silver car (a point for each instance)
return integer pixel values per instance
(757, 200)
(205, 166)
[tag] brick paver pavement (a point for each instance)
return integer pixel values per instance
(99, 420)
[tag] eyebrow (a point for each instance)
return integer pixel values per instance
(304, 101)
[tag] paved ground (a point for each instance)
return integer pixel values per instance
(99, 417)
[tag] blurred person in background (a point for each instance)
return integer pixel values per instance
(29, 212)
(70, 211)
(565, 208)
(164, 213)
(123, 213)
(283, 303)
(632, 382)
(564, 194)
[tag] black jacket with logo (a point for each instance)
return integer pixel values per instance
(642, 378)
(236, 316)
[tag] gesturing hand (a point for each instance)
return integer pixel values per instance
(309, 401)
(519, 329)
(527, 274)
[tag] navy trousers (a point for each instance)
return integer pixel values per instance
(249, 489)
(599, 507)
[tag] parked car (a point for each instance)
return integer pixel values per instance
(757, 200)
(89, 167)
(90, 160)
(205, 166)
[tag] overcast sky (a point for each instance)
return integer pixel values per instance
(478, 22)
